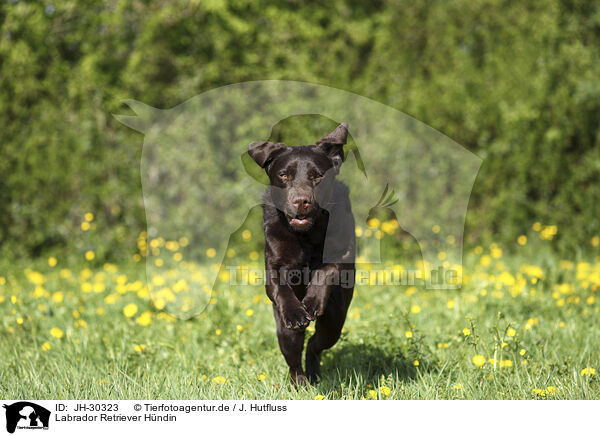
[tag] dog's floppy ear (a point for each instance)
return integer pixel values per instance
(333, 144)
(264, 152)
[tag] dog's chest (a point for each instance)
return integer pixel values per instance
(312, 254)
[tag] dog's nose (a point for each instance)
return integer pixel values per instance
(301, 202)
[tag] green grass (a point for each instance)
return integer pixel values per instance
(557, 327)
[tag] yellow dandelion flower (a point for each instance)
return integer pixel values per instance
(415, 308)
(89, 216)
(52, 261)
(46, 346)
(262, 377)
(224, 276)
(408, 334)
(144, 319)
(588, 371)
(130, 310)
(511, 332)
(373, 394)
(506, 363)
(552, 390)
(385, 391)
(57, 297)
(485, 260)
(457, 386)
(139, 348)
(522, 240)
(548, 232)
(159, 303)
(85, 226)
(56, 332)
(239, 328)
(450, 304)
(218, 332)
(211, 252)
(220, 380)
(90, 255)
(172, 245)
(319, 397)
(416, 363)
(478, 360)
(249, 312)
(435, 228)
(158, 280)
(373, 223)
(246, 235)
(34, 277)
(466, 331)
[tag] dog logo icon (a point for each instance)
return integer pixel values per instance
(26, 415)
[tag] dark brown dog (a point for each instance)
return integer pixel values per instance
(309, 245)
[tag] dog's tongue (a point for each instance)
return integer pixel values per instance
(299, 221)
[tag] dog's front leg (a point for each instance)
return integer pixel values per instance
(291, 320)
(317, 293)
(291, 312)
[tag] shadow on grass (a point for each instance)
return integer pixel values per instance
(365, 364)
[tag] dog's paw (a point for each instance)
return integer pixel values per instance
(295, 318)
(298, 378)
(314, 306)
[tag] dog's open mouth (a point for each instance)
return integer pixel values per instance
(300, 222)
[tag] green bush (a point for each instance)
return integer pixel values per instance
(516, 83)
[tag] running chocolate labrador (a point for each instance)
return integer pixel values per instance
(309, 245)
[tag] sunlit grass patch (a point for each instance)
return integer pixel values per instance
(521, 327)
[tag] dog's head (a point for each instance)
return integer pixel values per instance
(302, 177)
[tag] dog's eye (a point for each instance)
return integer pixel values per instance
(283, 175)
(317, 177)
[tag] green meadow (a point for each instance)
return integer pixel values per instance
(522, 326)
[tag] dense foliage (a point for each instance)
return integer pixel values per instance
(514, 82)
